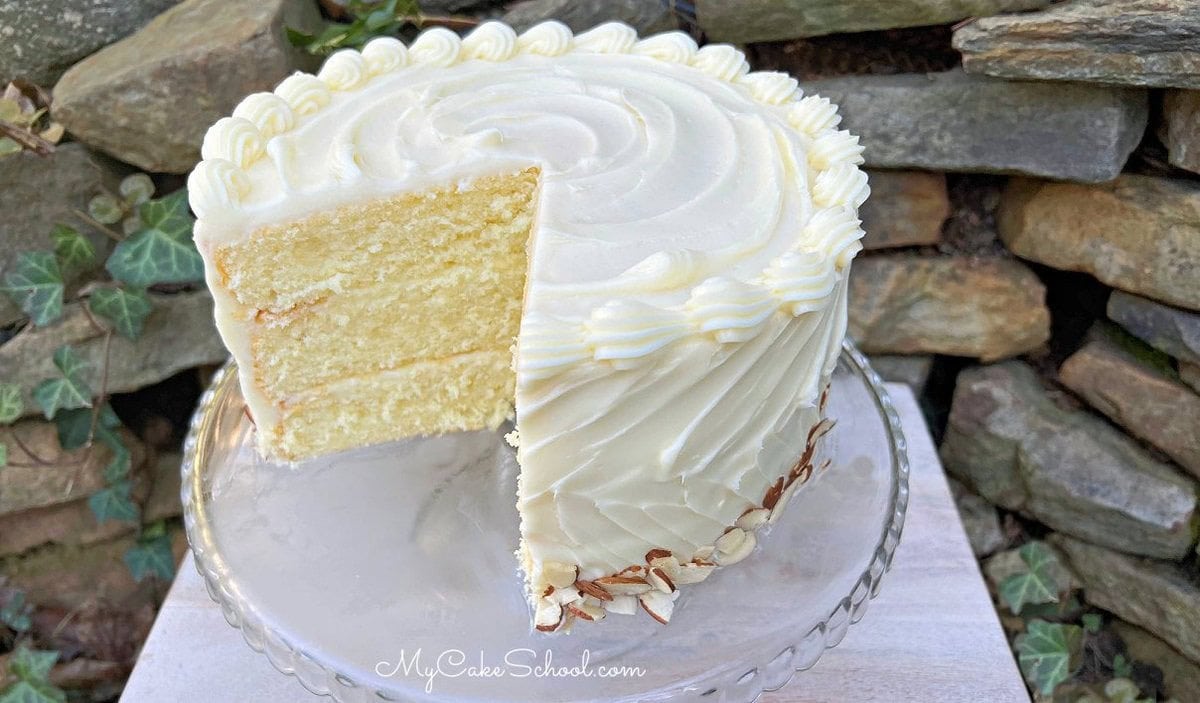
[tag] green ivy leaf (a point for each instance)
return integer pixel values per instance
(74, 251)
(118, 467)
(11, 405)
(3, 455)
(31, 664)
(68, 392)
(33, 692)
(125, 309)
(15, 613)
(1122, 667)
(1092, 622)
(162, 252)
(35, 283)
(105, 209)
(1049, 653)
(136, 188)
(74, 425)
(9, 147)
(114, 503)
(151, 556)
(1040, 584)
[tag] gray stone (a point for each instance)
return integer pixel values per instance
(1154, 595)
(906, 208)
(1171, 330)
(149, 98)
(178, 335)
(38, 192)
(65, 523)
(1190, 373)
(1124, 42)
(953, 121)
(1137, 233)
(646, 16)
(163, 501)
(1181, 117)
(1139, 397)
(1009, 442)
(39, 39)
(40, 473)
(768, 20)
(989, 308)
(74, 577)
(896, 368)
(1181, 676)
(980, 519)
(446, 7)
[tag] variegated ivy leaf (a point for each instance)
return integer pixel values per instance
(125, 309)
(136, 188)
(105, 209)
(67, 392)
(1041, 582)
(31, 664)
(1049, 653)
(163, 251)
(35, 283)
(33, 692)
(11, 405)
(74, 251)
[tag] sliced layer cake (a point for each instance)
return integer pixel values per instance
(637, 248)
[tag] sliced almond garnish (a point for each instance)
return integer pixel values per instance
(656, 553)
(731, 540)
(669, 564)
(592, 589)
(622, 605)
(635, 570)
(783, 501)
(623, 585)
(558, 574)
(753, 518)
(658, 604)
(564, 595)
(772, 495)
(659, 579)
(547, 616)
(704, 552)
(586, 611)
(694, 572)
(725, 557)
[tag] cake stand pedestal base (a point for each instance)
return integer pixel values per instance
(932, 634)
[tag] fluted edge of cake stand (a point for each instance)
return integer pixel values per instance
(739, 684)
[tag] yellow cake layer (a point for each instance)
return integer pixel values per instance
(396, 322)
(397, 316)
(469, 391)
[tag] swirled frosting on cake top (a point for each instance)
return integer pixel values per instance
(681, 193)
(685, 299)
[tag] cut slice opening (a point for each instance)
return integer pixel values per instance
(397, 316)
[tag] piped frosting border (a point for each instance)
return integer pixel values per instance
(619, 332)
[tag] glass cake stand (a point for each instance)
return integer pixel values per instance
(387, 573)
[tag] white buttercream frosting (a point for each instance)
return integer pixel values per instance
(690, 250)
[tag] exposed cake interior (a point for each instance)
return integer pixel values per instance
(397, 316)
